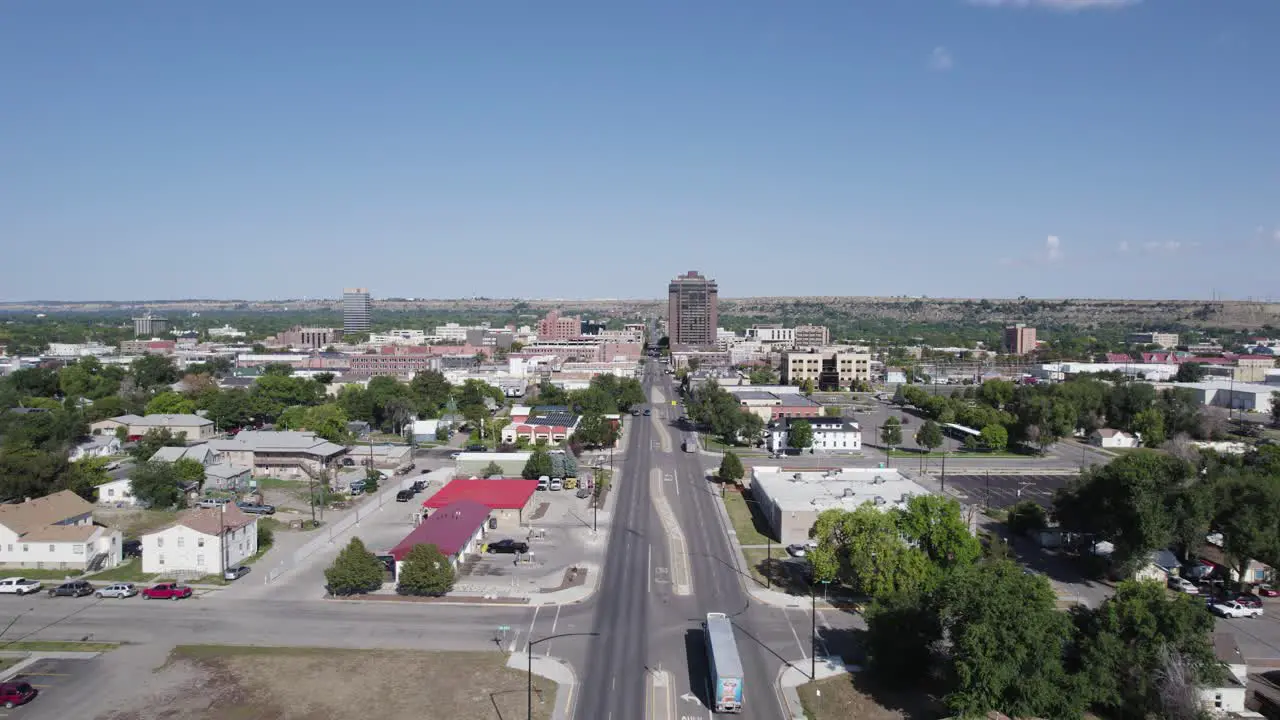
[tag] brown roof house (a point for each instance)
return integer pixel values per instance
(201, 542)
(56, 532)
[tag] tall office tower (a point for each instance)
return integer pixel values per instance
(356, 309)
(693, 310)
(149, 326)
(1019, 339)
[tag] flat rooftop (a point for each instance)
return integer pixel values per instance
(844, 488)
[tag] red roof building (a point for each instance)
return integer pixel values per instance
(1119, 358)
(455, 529)
(507, 499)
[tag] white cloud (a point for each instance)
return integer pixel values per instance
(1168, 246)
(1063, 5)
(1053, 248)
(941, 60)
(1124, 246)
(1276, 235)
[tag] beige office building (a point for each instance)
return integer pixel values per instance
(827, 367)
(693, 310)
(808, 336)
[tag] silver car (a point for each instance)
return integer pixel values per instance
(118, 590)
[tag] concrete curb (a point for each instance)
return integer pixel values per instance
(554, 669)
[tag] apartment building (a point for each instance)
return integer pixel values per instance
(149, 326)
(693, 310)
(827, 367)
(807, 336)
(399, 337)
(559, 327)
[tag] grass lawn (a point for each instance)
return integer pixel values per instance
(333, 684)
(270, 483)
(129, 571)
(35, 574)
(747, 523)
(58, 646)
(855, 696)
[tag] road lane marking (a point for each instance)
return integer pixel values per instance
(648, 572)
(803, 654)
(531, 623)
(554, 622)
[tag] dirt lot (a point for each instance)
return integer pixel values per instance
(207, 682)
(133, 522)
(852, 696)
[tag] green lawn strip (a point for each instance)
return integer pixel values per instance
(271, 483)
(57, 646)
(959, 454)
(129, 571)
(746, 523)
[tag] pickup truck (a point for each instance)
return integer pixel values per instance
(1233, 609)
(256, 509)
(166, 591)
(19, 586)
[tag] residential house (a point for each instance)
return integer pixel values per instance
(202, 454)
(456, 529)
(226, 476)
(282, 454)
(56, 532)
(1162, 565)
(1112, 438)
(508, 499)
(95, 447)
(830, 435)
(118, 493)
(1229, 696)
(201, 542)
(196, 429)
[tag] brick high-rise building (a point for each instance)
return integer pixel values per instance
(357, 309)
(693, 310)
(1019, 339)
(557, 327)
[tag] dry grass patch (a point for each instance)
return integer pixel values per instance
(334, 684)
(853, 696)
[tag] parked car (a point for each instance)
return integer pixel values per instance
(74, 588)
(508, 546)
(1248, 600)
(647, 412)
(1232, 609)
(797, 550)
(213, 502)
(13, 694)
(1267, 591)
(544, 482)
(455, 455)
(235, 572)
(19, 586)
(166, 591)
(118, 590)
(256, 509)
(1183, 585)
(418, 486)
(635, 413)
(477, 447)
(404, 496)
(556, 484)
(583, 493)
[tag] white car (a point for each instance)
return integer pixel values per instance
(1183, 585)
(19, 586)
(1233, 609)
(556, 484)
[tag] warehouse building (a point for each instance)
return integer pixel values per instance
(791, 501)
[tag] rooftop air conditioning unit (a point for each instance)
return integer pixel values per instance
(797, 477)
(878, 481)
(879, 500)
(848, 492)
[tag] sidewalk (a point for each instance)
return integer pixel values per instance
(553, 669)
(791, 677)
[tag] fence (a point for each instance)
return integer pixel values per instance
(326, 534)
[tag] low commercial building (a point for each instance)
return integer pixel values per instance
(56, 532)
(775, 406)
(1249, 397)
(457, 530)
(194, 428)
(830, 435)
(201, 542)
(309, 338)
(202, 454)
(286, 454)
(509, 500)
(395, 458)
(791, 501)
(1229, 696)
(551, 425)
(473, 464)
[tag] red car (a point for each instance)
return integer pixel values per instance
(1267, 591)
(13, 694)
(167, 591)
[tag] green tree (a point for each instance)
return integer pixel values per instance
(934, 525)
(994, 438)
(763, 376)
(806, 387)
(83, 476)
(891, 432)
(327, 421)
(1275, 407)
(372, 478)
(430, 392)
(1248, 513)
(901, 630)
(355, 571)
(492, 470)
(731, 469)
(1027, 516)
(800, 435)
(1190, 372)
(150, 371)
(595, 430)
(426, 571)
(863, 549)
(1123, 646)
(996, 393)
(189, 470)
(153, 440)
(929, 436)
(538, 464)
(157, 485)
(171, 403)
(1006, 644)
(1149, 424)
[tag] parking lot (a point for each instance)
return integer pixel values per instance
(1000, 490)
(47, 675)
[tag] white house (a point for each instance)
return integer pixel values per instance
(56, 532)
(95, 447)
(202, 454)
(829, 434)
(117, 492)
(1228, 697)
(201, 542)
(1111, 438)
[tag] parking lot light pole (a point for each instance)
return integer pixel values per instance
(529, 651)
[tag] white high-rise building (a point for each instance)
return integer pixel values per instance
(357, 309)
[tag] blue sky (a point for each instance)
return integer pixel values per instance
(157, 150)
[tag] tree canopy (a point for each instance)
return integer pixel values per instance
(425, 571)
(355, 571)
